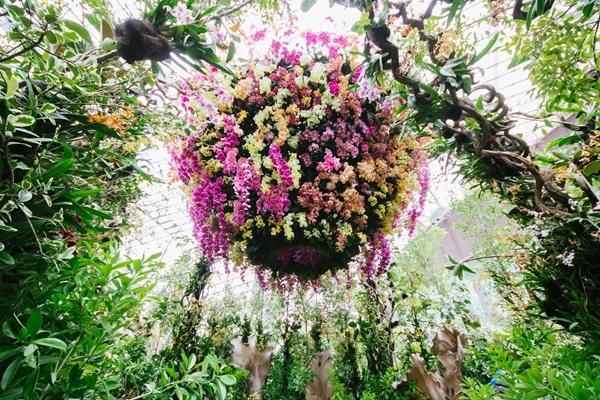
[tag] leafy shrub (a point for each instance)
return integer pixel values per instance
(290, 369)
(533, 361)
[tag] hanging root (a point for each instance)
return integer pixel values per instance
(139, 40)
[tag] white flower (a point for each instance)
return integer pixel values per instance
(301, 82)
(305, 59)
(260, 70)
(265, 85)
(567, 258)
(181, 13)
(281, 95)
(317, 73)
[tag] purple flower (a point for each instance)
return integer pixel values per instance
(246, 180)
(181, 13)
(284, 171)
(420, 160)
(208, 217)
(276, 202)
(303, 255)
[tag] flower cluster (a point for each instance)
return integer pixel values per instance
(295, 165)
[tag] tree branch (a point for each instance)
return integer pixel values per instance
(232, 10)
(25, 49)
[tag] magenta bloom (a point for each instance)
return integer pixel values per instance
(259, 35)
(334, 88)
(329, 163)
(281, 166)
(275, 202)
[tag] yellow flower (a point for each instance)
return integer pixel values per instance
(213, 166)
(288, 227)
(446, 45)
(362, 237)
(302, 220)
(294, 165)
(276, 226)
(242, 116)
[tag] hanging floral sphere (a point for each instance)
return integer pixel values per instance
(296, 164)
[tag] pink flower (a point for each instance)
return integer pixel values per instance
(329, 163)
(324, 38)
(334, 88)
(368, 90)
(246, 181)
(420, 162)
(275, 202)
(208, 217)
(284, 171)
(357, 74)
(230, 162)
(311, 38)
(259, 35)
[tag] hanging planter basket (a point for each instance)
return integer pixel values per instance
(296, 164)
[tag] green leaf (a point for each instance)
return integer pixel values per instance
(467, 82)
(222, 391)
(11, 87)
(24, 196)
(456, 5)
(34, 322)
(77, 194)
(191, 362)
(6, 353)
(179, 393)
(79, 29)
(230, 51)
(48, 108)
(587, 10)
(592, 168)
(486, 49)
(564, 141)
(10, 373)
(6, 258)
(307, 5)
(30, 384)
(7, 330)
(448, 71)
(22, 120)
(60, 168)
(228, 380)
(6, 228)
(360, 25)
(52, 342)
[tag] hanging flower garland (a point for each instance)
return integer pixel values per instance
(295, 165)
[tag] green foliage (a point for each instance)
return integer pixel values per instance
(391, 317)
(531, 362)
(188, 378)
(290, 370)
(59, 347)
(70, 305)
(560, 57)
